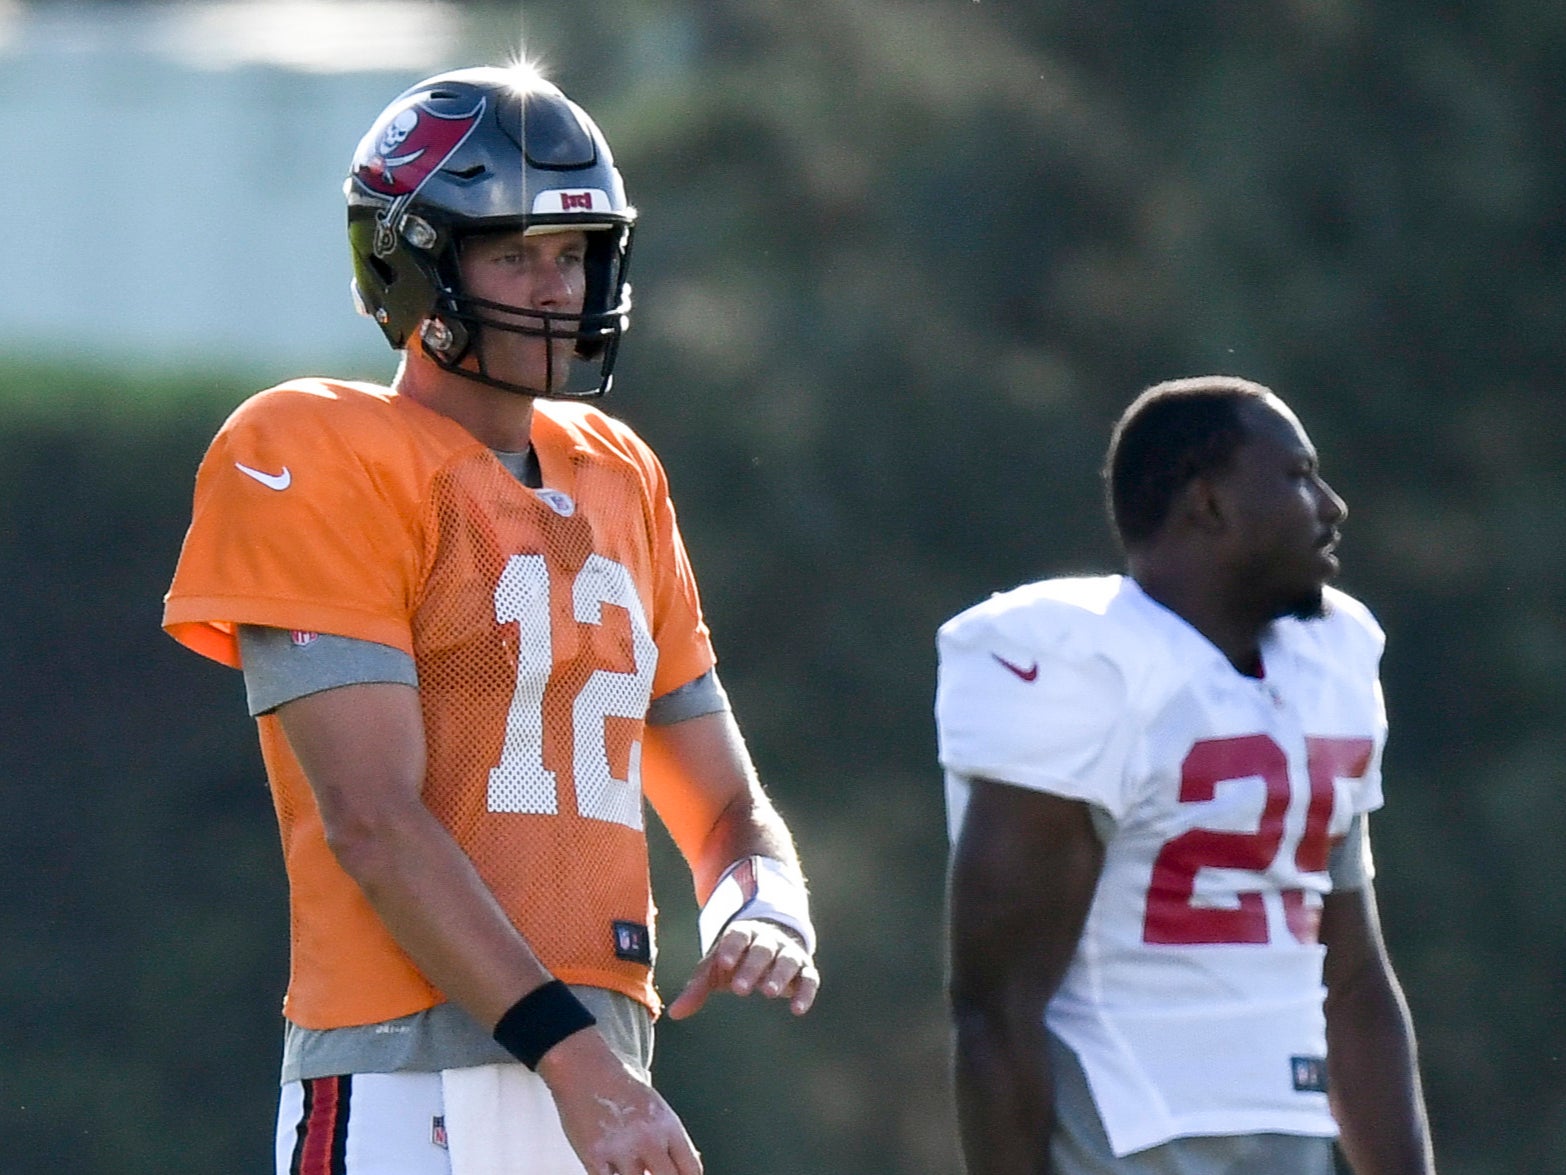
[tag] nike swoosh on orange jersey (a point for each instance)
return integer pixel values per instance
(1028, 674)
(272, 481)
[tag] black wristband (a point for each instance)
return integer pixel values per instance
(540, 1020)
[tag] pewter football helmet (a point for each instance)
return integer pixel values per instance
(477, 151)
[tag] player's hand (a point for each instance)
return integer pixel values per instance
(616, 1122)
(752, 955)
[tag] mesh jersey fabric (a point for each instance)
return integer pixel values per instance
(540, 621)
(1226, 794)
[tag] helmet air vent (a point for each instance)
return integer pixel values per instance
(555, 136)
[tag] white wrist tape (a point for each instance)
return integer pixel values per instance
(757, 887)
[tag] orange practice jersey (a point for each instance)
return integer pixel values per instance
(541, 623)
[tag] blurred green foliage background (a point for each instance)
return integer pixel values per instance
(901, 263)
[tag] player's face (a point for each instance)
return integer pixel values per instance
(540, 272)
(1286, 516)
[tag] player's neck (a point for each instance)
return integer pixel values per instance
(502, 420)
(1236, 636)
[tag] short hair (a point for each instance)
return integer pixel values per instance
(1173, 432)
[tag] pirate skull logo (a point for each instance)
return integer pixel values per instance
(397, 130)
(396, 158)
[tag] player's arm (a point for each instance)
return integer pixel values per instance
(701, 780)
(1023, 872)
(362, 748)
(1373, 1073)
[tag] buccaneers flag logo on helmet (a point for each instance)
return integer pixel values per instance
(404, 151)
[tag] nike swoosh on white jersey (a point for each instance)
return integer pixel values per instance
(272, 481)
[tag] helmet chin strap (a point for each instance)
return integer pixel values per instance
(449, 344)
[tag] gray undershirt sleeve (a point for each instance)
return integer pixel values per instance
(278, 670)
(1350, 864)
(705, 695)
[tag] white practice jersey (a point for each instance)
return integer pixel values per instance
(1195, 997)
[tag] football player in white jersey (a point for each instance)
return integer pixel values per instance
(1165, 952)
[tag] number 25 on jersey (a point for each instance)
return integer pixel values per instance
(1173, 916)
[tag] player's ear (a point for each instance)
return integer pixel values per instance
(1202, 505)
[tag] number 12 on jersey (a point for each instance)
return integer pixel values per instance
(1173, 917)
(521, 782)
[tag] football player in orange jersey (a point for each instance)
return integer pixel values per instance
(473, 644)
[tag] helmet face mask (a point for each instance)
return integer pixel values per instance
(482, 151)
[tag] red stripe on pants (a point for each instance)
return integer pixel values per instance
(323, 1128)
